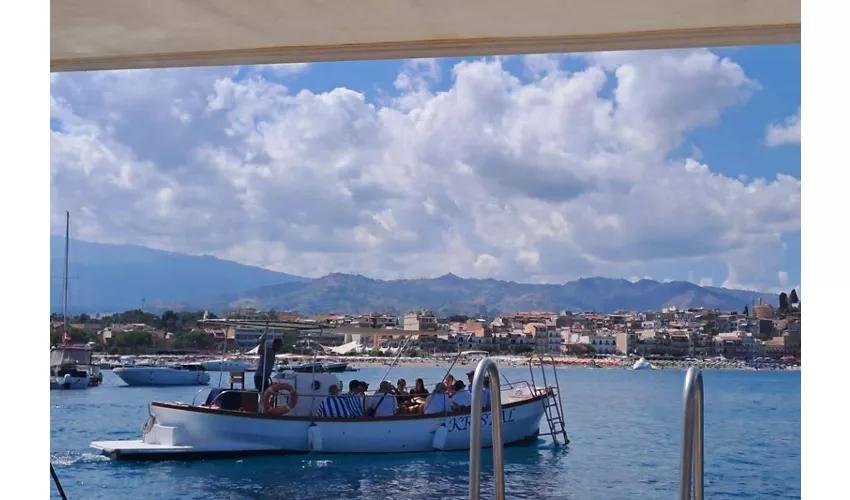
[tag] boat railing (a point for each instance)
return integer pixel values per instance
(692, 466)
(486, 367)
(202, 389)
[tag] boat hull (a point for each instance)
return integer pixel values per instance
(160, 376)
(180, 431)
(227, 366)
(75, 383)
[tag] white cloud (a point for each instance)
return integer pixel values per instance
(544, 180)
(787, 132)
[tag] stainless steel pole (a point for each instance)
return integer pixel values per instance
(691, 464)
(488, 367)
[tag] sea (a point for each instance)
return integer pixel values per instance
(624, 426)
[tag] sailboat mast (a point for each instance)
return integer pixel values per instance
(65, 277)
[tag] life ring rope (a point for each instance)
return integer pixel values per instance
(269, 399)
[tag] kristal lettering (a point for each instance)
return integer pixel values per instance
(461, 424)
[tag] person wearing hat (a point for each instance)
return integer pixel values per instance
(438, 401)
(470, 375)
(383, 403)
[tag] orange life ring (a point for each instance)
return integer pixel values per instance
(268, 399)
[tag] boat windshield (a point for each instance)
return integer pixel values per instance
(70, 357)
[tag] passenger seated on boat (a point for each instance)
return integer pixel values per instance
(470, 375)
(419, 390)
(354, 399)
(438, 402)
(462, 399)
(383, 403)
(450, 384)
(333, 405)
(401, 393)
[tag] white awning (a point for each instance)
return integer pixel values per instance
(105, 34)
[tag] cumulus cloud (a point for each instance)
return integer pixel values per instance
(787, 132)
(547, 175)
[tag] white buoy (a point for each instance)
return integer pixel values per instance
(314, 438)
(441, 433)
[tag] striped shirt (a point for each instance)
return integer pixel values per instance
(333, 406)
(354, 404)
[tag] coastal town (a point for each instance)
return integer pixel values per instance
(758, 331)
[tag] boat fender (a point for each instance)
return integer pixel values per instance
(66, 381)
(99, 377)
(440, 435)
(269, 399)
(314, 437)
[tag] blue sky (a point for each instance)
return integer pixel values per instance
(566, 176)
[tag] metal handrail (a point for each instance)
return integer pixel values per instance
(489, 367)
(692, 464)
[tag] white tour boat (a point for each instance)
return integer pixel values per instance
(186, 374)
(231, 422)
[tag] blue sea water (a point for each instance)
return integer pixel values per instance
(624, 427)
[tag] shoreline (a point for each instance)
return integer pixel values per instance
(502, 362)
(576, 363)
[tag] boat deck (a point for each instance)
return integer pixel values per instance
(139, 450)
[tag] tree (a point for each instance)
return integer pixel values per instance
(793, 298)
(194, 339)
(783, 302)
(747, 311)
(134, 341)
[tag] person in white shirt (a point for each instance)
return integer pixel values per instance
(485, 394)
(438, 401)
(462, 399)
(383, 403)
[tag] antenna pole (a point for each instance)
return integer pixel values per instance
(65, 277)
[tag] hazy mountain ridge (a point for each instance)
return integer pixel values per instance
(107, 277)
(116, 277)
(351, 294)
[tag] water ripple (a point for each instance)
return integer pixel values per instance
(624, 429)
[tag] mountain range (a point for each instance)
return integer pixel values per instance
(108, 278)
(111, 278)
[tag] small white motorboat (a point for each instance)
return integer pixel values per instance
(186, 374)
(643, 364)
(71, 368)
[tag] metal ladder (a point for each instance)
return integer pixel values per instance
(692, 466)
(488, 367)
(553, 408)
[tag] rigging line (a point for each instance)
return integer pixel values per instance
(58, 484)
